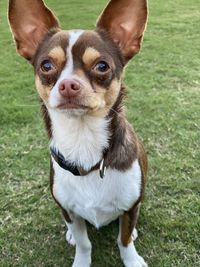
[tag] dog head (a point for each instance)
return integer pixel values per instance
(78, 71)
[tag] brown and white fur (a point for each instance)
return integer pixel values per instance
(78, 76)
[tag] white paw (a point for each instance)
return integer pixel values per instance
(134, 234)
(70, 239)
(137, 262)
(141, 261)
(130, 257)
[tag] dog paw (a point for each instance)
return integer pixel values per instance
(138, 262)
(70, 239)
(141, 261)
(130, 257)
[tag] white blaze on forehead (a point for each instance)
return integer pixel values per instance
(67, 72)
(73, 38)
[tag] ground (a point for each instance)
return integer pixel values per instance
(163, 106)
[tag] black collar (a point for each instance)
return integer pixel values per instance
(75, 170)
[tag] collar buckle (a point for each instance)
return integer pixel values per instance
(102, 169)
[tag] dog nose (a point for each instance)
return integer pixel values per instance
(69, 88)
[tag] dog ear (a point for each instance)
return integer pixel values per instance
(125, 20)
(29, 20)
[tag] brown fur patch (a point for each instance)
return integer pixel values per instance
(58, 55)
(52, 40)
(113, 92)
(144, 166)
(125, 232)
(46, 118)
(123, 148)
(97, 44)
(128, 223)
(90, 55)
(43, 90)
(52, 48)
(129, 218)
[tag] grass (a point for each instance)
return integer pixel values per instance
(164, 107)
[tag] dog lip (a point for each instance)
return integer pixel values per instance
(70, 105)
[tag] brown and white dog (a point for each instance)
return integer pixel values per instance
(98, 165)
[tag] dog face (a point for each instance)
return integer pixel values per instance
(78, 71)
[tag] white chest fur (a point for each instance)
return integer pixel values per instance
(80, 139)
(97, 200)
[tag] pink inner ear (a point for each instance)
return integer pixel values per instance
(35, 31)
(28, 41)
(31, 38)
(128, 41)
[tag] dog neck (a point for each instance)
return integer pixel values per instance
(81, 139)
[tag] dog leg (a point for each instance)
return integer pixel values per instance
(128, 252)
(77, 230)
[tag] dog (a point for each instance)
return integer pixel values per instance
(98, 165)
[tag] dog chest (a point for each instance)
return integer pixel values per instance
(97, 200)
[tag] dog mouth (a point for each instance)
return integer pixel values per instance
(77, 104)
(71, 105)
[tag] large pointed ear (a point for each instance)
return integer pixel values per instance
(30, 20)
(125, 20)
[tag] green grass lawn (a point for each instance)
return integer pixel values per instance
(164, 107)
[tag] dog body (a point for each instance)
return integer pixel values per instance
(98, 165)
(99, 201)
(83, 141)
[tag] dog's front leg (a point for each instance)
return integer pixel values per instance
(78, 231)
(127, 233)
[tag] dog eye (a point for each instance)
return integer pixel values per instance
(47, 66)
(102, 67)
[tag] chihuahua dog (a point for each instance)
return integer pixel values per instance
(98, 165)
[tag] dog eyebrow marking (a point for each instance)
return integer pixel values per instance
(90, 55)
(57, 54)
